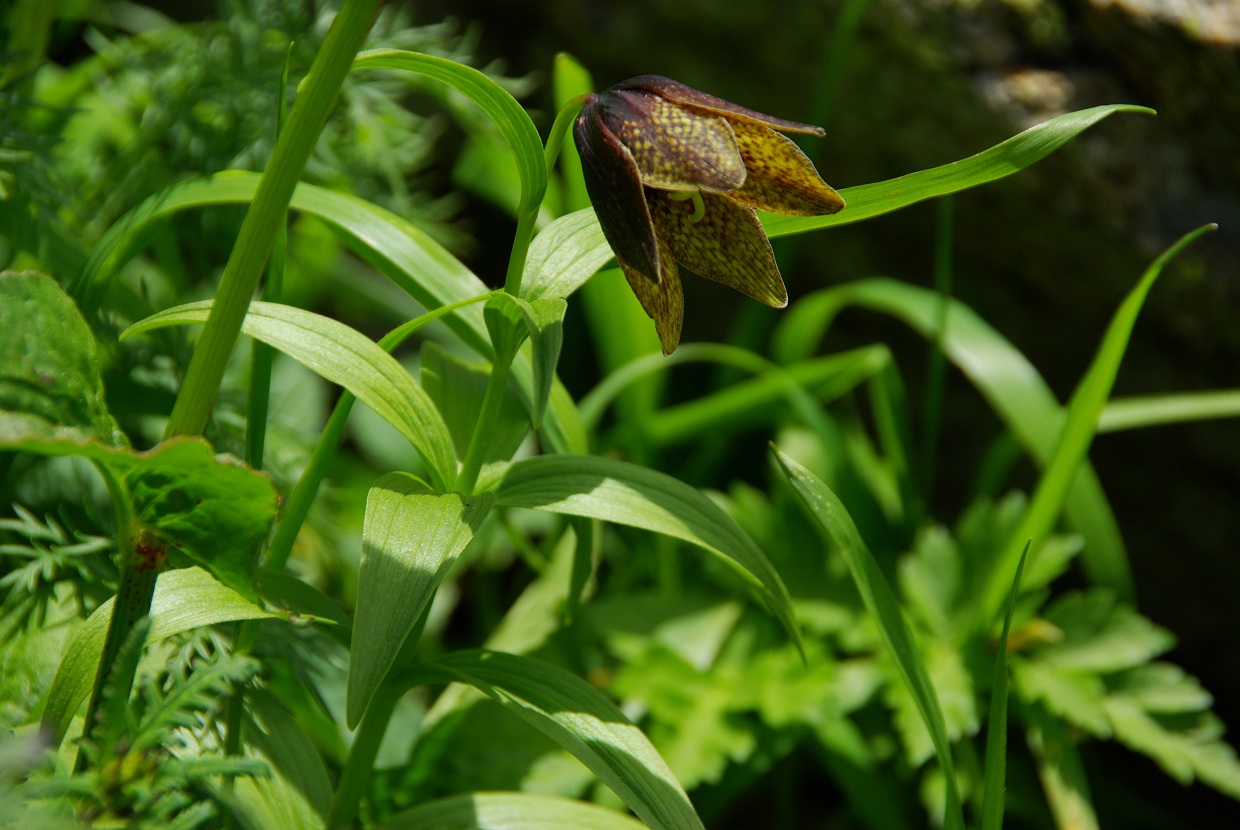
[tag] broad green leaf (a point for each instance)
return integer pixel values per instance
(50, 382)
(280, 589)
(410, 540)
(457, 387)
(506, 325)
(995, 775)
(583, 721)
(1004, 159)
(825, 507)
(509, 811)
(1079, 426)
(212, 508)
(545, 321)
(626, 494)
(395, 247)
(510, 118)
(1155, 410)
(184, 599)
(563, 256)
(344, 356)
(297, 793)
(1003, 376)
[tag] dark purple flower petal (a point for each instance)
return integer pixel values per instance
(615, 187)
(663, 302)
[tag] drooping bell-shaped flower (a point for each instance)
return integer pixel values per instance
(675, 175)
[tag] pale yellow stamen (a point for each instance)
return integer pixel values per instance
(699, 207)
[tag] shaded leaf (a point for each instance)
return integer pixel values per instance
(509, 811)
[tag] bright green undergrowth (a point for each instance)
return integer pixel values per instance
(479, 611)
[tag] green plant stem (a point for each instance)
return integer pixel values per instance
(492, 401)
(141, 556)
(258, 230)
(527, 214)
(356, 773)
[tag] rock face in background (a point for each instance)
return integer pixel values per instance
(1045, 256)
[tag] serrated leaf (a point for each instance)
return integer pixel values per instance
(343, 356)
(213, 508)
(582, 720)
(509, 811)
(183, 599)
(1162, 689)
(953, 686)
(1101, 635)
(49, 364)
(410, 539)
(627, 494)
(1074, 696)
(1182, 754)
(825, 507)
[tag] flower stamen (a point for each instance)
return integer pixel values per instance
(699, 207)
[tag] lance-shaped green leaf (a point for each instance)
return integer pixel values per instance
(615, 491)
(506, 325)
(50, 383)
(1004, 377)
(545, 321)
(581, 720)
(343, 356)
(564, 255)
(296, 795)
(395, 247)
(825, 507)
(509, 811)
(410, 539)
(184, 599)
(1079, 426)
(1004, 159)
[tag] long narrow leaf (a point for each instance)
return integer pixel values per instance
(1156, 410)
(1078, 429)
(400, 251)
(824, 506)
(581, 720)
(1003, 376)
(1004, 159)
(346, 357)
(614, 491)
(995, 775)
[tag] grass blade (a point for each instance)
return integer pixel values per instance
(995, 775)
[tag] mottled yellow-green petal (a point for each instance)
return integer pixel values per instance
(781, 178)
(615, 187)
(688, 96)
(727, 245)
(664, 301)
(675, 148)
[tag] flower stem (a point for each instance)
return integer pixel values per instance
(492, 400)
(527, 215)
(357, 767)
(275, 189)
